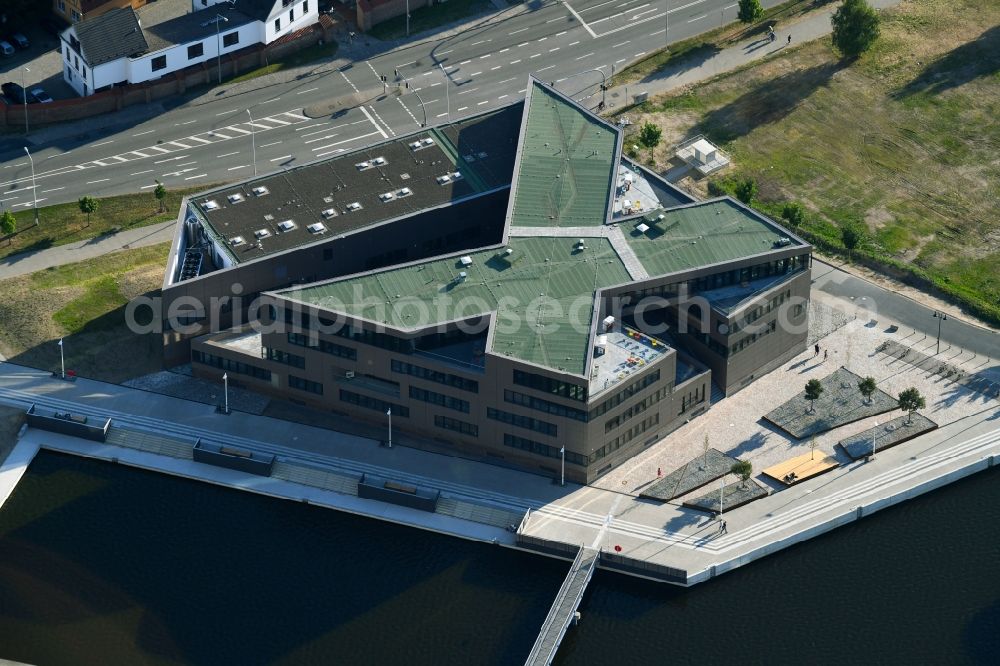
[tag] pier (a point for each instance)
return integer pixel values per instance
(563, 611)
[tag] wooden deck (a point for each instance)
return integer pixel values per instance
(803, 467)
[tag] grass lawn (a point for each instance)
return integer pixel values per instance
(307, 55)
(64, 223)
(901, 143)
(84, 303)
(427, 18)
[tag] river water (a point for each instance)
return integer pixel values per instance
(103, 564)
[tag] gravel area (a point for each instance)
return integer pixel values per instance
(734, 495)
(692, 475)
(179, 383)
(886, 435)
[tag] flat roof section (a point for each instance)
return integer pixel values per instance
(568, 164)
(701, 234)
(535, 289)
(354, 190)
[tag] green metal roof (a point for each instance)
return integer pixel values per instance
(567, 164)
(700, 235)
(534, 290)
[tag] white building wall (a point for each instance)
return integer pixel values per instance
(302, 19)
(141, 69)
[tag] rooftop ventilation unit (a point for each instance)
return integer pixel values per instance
(287, 225)
(328, 213)
(236, 240)
(427, 141)
(404, 192)
(415, 145)
(211, 204)
(609, 322)
(782, 242)
(509, 251)
(317, 228)
(444, 180)
(361, 166)
(261, 233)
(260, 191)
(466, 261)
(387, 196)
(354, 206)
(462, 276)
(642, 228)
(235, 198)
(380, 161)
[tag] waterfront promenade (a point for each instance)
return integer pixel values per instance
(663, 535)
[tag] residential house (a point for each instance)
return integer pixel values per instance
(72, 11)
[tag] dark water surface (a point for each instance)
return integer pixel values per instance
(103, 564)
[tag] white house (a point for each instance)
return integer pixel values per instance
(114, 48)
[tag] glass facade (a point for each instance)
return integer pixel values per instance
(537, 425)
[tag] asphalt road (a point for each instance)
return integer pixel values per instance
(462, 75)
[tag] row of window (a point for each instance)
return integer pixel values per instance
(540, 449)
(554, 408)
(448, 423)
(750, 339)
(527, 422)
(695, 397)
(291, 14)
(549, 385)
(625, 438)
(305, 385)
(625, 394)
(761, 310)
(710, 342)
(324, 346)
(441, 399)
(229, 365)
(373, 403)
(287, 358)
(195, 50)
(726, 278)
(636, 409)
(445, 378)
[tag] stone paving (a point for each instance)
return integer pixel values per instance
(886, 435)
(734, 495)
(180, 384)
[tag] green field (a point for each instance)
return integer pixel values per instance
(902, 143)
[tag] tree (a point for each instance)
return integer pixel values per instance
(750, 11)
(742, 469)
(910, 401)
(813, 391)
(793, 214)
(89, 205)
(649, 136)
(160, 193)
(746, 190)
(704, 461)
(855, 27)
(812, 448)
(8, 225)
(867, 387)
(851, 237)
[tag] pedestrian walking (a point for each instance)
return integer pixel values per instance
(826, 353)
(817, 349)
(659, 472)
(789, 39)
(724, 529)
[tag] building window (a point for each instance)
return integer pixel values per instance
(229, 365)
(76, 63)
(447, 423)
(540, 449)
(196, 51)
(293, 360)
(305, 385)
(636, 409)
(231, 39)
(76, 15)
(324, 346)
(537, 425)
(277, 25)
(549, 385)
(554, 408)
(159, 62)
(62, 6)
(305, 7)
(373, 403)
(624, 439)
(441, 399)
(291, 15)
(625, 394)
(470, 385)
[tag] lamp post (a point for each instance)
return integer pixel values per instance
(874, 432)
(34, 192)
(407, 18)
(940, 316)
(24, 98)
(388, 413)
(62, 358)
(253, 144)
(218, 44)
(722, 488)
(562, 476)
(447, 93)
(604, 83)
(225, 383)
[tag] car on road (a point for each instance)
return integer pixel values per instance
(6, 48)
(38, 94)
(13, 92)
(19, 40)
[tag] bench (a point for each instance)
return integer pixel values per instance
(239, 453)
(399, 487)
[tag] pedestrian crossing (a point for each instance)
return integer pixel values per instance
(235, 131)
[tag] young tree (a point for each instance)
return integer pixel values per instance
(910, 401)
(742, 469)
(867, 387)
(160, 193)
(855, 27)
(649, 136)
(750, 11)
(746, 190)
(812, 448)
(851, 237)
(813, 391)
(705, 459)
(8, 225)
(88, 205)
(793, 214)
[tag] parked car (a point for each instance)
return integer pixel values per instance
(6, 48)
(19, 40)
(38, 94)
(13, 92)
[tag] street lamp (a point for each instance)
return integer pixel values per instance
(225, 383)
(604, 83)
(253, 144)
(562, 477)
(407, 18)
(722, 488)
(218, 44)
(24, 98)
(34, 192)
(62, 358)
(447, 93)
(874, 432)
(940, 316)
(388, 413)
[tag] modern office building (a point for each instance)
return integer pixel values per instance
(511, 286)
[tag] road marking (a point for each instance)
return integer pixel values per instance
(353, 138)
(378, 77)
(218, 157)
(405, 64)
(178, 143)
(139, 153)
(54, 189)
(639, 54)
(146, 187)
(503, 50)
(574, 43)
(197, 138)
(483, 102)
(242, 131)
(462, 108)
(441, 115)
(658, 32)
(322, 138)
(200, 175)
(622, 44)
(226, 112)
(560, 18)
(537, 55)
(146, 132)
(99, 163)
(466, 92)
(265, 145)
(502, 96)
(273, 99)
(484, 57)
(543, 39)
(514, 62)
(580, 19)
(545, 68)
(139, 173)
(28, 203)
(596, 6)
(585, 56)
(283, 157)
(405, 109)
(372, 120)
(474, 74)
(303, 92)
(648, 11)
(522, 45)
(507, 80)
(101, 180)
(352, 84)
(465, 62)
(242, 166)
(299, 129)
(435, 84)
(224, 137)
(450, 50)
(102, 144)
(170, 159)
(481, 41)
(517, 31)
(159, 148)
(698, 18)
(188, 163)
(493, 69)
